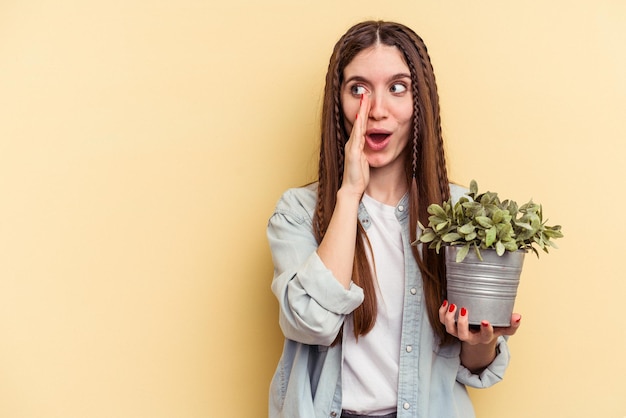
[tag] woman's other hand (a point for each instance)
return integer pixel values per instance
(460, 327)
(478, 347)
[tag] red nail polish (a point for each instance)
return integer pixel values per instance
(518, 320)
(452, 307)
(356, 117)
(361, 102)
(463, 311)
(445, 303)
(484, 323)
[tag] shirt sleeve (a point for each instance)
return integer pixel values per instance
(493, 374)
(312, 302)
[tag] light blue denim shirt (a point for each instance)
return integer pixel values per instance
(313, 305)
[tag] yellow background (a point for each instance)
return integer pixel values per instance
(143, 145)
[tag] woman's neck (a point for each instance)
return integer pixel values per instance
(387, 186)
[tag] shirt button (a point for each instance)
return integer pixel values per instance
(333, 414)
(409, 348)
(401, 208)
(413, 291)
(406, 405)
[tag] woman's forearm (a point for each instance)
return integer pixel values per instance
(337, 247)
(477, 357)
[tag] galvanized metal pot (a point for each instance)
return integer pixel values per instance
(486, 288)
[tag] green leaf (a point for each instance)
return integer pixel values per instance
(467, 228)
(477, 251)
(484, 221)
(551, 244)
(427, 236)
(552, 233)
(441, 226)
(473, 187)
(510, 245)
(491, 236)
(462, 253)
(471, 236)
(437, 210)
(434, 219)
(500, 248)
(451, 237)
(524, 225)
(505, 230)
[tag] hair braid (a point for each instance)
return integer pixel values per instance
(416, 111)
(416, 122)
(318, 229)
(339, 139)
(429, 73)
(331, 148)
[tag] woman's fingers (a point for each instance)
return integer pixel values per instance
(356, 171)
(516, 321)
(442, 311)
(357, 136)
(361, 120)
(447, 313)
(463, 329)
(456, 321)
(458, 325)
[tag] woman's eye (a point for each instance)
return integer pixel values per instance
(398, 88)
(358, 90)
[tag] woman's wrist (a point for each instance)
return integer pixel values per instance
(477, 357)
(348, 195)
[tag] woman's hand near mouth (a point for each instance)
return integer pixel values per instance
(356, 172)
(337, 247)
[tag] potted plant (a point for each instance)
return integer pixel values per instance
(485, 240)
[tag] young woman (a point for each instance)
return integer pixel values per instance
(368, 332)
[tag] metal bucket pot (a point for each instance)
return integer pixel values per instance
(487, 289)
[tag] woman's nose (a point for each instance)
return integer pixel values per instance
(378, 108)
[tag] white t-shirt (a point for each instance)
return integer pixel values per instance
(371, 364)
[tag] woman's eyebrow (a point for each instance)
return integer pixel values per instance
(400, 75)
(363, 79)
(355, 78)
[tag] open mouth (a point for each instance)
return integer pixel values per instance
(378, 137)
(377, 140)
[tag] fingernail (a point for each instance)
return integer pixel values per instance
(445, 303)
(484, 323)
(361, 102)
(463, 311)
(452, 307)
(357, 116)
(518, 320)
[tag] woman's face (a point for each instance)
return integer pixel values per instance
(381, 73)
